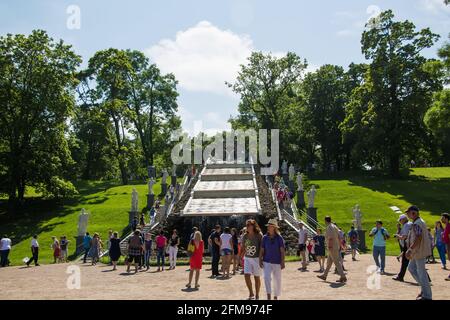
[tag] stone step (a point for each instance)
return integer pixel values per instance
(224, 189)
(221, 207)
(226, 174)
(204, 194)
(225, 165)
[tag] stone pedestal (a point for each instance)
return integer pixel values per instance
(362, 240)
(285, 177)
(131, 216)
(79, 245)
(150, 200)
(173, 180)
(291, 185)
(312, 213)
(300, 199)
(163, 189)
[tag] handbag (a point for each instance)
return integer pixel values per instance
(190, 248)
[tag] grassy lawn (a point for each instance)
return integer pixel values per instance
(107, 202)
(428, 188)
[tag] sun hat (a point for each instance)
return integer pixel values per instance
(272, 222)
(402, 216)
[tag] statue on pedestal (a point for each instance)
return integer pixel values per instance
(300, 181)
(357, 215)
(82, 222)
(134, 201)
(165, 175)
(311, 195)
(284, 167)
(291, 172)
(151, 183)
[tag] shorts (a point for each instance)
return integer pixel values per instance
(301, 247)
(226, 252)
(354, 246)
(252, 267)
(136, 259)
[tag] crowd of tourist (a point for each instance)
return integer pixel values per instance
(255, 254)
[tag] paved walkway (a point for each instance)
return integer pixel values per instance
(98, 282)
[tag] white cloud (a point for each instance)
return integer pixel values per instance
(435, 6)
(202, 57)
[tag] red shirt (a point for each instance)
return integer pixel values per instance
(446, 234)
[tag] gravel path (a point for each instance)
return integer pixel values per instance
(98, 282)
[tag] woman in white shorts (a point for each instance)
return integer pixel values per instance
(226, 250)
(251, 244)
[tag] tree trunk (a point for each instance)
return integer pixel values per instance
(394, 165)
(123, 170)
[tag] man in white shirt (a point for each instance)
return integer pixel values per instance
(401, 236)
(5, 248)
(34, 252)
(302, 239)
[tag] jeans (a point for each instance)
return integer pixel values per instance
(160, 257)
(441, 250)
(4, 257)
(173, 250)
(419, 273)
(148, 254)
(86, 252)
(379, 255)
(34, 256)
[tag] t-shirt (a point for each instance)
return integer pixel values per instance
(378, 238)
(161, 241)
(353, 236)
(252, 245)
(5, 244)
(319, 241)
(215, 235)
(302, 235)
(272, 248)
(332, 236)
(34, 243)
(173, 241)
(404, 231)
(446, 234)
(63, 244)
(87, 242)
(225, 238)
(148, 245)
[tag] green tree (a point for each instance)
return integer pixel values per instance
(37, 85)
(388, 110)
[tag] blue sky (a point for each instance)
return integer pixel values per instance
(203, 42)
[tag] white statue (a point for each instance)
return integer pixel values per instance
(82, 222)
(311, 195)
(300, 181)
(357, 215)
(151, 183)
(284, 167)
(134, 201)
(291, 172)
(174, 170)
(165, 175)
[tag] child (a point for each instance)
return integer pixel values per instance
(310, 247)
(431, 259)
(56, 250)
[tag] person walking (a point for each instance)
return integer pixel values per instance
(439, 243)
(5, 249)
(148, 249)
(419, 249)
(445, 219)
(173, 249)
(272, 255)
(64, 244)
(401, 236)
(161, 243)
(334, 244)
(135, 248)
(87, 241)
(235, 255)
(34, 252)
(56, 250)
(319, 249)
(214, 243)
(152, 215)
(114, 249)
(353, 238)
(196, 259)
(302, 239)
(380, 235)
(96, 247)
(226, 249)
(251, 245)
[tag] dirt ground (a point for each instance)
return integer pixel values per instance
(99, 282)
